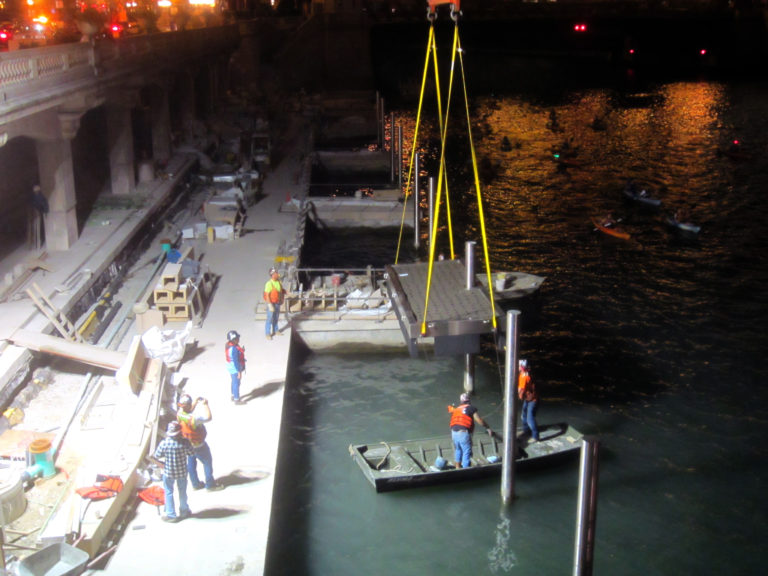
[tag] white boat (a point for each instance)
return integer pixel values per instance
(512, 285)
(686, 227)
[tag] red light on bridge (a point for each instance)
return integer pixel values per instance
(580, 27)
(703, 51)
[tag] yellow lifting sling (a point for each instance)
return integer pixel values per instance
(442, 173)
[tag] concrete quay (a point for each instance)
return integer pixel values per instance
(228, 531)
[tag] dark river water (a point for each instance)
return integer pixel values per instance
(655, 345)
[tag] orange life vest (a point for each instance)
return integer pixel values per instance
(154, 495)
(195, 434)
(273, 291)
(105, 487)
(459, 418)
(525, 388)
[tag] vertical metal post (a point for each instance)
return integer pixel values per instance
(469, 359)
(378, 116)
(400, 157)
(416, 194)
(510, 410)
(431, 208)
(583, 560)
(391, 146)
(382, 129)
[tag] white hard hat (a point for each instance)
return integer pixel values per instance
(524, 363)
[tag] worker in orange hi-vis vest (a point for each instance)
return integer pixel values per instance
(526, 390)
(274, 294)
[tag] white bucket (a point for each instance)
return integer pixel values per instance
(12, 499)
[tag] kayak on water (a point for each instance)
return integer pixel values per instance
(610, 230)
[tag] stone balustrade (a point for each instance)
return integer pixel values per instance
(31, 78)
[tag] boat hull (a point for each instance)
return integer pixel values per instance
(512, 285)
(685, 227)
(645, 200)
(390, 466)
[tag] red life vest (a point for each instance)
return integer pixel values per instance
(195, 434)
(228, 354)
(459, 418)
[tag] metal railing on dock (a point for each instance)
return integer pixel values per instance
(336, 293)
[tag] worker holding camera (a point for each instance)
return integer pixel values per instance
(192, 416)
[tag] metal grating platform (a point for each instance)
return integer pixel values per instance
(453, 309)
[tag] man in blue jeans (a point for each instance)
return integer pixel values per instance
(463, 418)
(192, 420)
(274, 293)
(172, 454)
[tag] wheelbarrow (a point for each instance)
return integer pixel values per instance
(55, 560)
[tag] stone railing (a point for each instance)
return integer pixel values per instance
(28, 77)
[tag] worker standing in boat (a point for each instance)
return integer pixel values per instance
(526, 390)
(235, 356)
(274, 293)
(463, 418)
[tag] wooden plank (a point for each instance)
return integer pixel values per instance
(82, 352)
(131, 372)
(101, 516)
(56, 316)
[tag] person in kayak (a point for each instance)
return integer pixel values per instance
(608, 221)
(463, 418)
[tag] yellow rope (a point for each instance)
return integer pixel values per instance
(442, 172)
(479, 194)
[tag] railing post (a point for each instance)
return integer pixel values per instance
(392, 141)
(416, 191)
